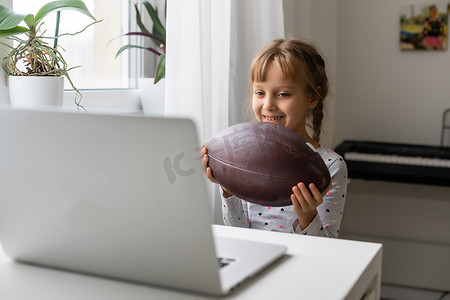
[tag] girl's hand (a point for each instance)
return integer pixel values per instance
(305, 203)
(208, 171)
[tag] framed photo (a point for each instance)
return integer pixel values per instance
(424, 26)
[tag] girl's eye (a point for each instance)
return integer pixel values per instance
(283, 95)
(259, 93)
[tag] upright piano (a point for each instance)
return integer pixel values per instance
(396, 162)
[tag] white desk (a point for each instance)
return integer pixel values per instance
(314, 268)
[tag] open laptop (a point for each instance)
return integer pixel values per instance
(118, 196)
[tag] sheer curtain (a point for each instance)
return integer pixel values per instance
(210, 45)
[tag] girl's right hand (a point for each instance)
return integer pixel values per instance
(208, 171)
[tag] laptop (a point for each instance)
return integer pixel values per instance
(121, 196)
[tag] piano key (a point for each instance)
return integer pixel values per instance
(396, 159)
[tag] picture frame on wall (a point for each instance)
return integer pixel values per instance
(424, 26)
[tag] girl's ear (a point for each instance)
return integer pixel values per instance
(315, 97)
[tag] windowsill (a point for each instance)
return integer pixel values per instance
(110, 101)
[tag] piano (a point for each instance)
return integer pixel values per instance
(396, 162)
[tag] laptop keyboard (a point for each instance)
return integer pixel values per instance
(223, 261)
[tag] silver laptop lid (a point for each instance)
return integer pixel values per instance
(121, 196)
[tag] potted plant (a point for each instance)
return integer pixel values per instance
(33, 60)
(152, 95)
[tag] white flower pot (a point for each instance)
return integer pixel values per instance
(35, 91)
(152, 96)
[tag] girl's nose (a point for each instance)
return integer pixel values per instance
(269, 103)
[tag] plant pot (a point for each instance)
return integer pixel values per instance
(152, 96)
(35, 91)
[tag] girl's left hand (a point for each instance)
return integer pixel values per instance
(305, 203)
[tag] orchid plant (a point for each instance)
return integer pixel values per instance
(158, 36)
(34, 52)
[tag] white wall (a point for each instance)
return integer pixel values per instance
(384, 94)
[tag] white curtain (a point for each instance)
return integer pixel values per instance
(210, 44)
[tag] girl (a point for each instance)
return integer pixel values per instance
(433, 29)
(288, 86)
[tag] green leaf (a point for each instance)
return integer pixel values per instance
(161, 68)
(139, 20)
(58, 5)
(156, 39)
(10, 19)
(29, 20)
(13, 31)
(126, 47)
(158, 28)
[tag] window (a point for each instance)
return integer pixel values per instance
(105, 82)
(95, 48)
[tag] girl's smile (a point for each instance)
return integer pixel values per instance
(272, 119)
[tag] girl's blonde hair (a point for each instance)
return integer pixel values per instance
(299, 62)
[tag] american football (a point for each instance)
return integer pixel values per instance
(261, 162)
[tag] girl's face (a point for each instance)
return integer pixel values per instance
(433, 12)
(282, 102)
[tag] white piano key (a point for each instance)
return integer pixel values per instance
(397, 159)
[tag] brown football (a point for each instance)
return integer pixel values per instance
(261, 162)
